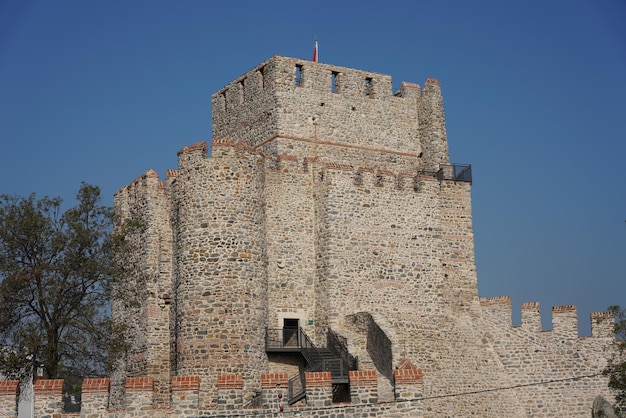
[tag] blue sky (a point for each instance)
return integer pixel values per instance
(535, 98)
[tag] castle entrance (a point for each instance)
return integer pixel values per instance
(290, 332)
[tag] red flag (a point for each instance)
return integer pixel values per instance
(315, 52)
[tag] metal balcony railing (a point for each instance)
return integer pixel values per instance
(454, 172)
(332, 359)
(286, 339)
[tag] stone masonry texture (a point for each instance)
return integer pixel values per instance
(329, 201)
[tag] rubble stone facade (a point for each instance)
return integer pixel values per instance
(329, 203)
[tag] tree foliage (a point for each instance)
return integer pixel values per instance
(56, 272)
(616, 367)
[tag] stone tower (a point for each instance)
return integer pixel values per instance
(329, 206)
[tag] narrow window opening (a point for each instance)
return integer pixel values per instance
(334, 85)
(223, 100)
(368, 86)
(261, 77)
(242, 91)
(298, 75)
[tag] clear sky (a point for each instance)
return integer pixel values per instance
(534, 91)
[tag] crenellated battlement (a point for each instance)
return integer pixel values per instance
(270, 396)
(564, 318)
(287, 104)
(144, 189)
(495, 300)
(285, 74)
(137, 186)
(194, 148)
(362, 175)
(531, 316)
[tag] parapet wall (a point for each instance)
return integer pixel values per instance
(558, 371)
(141, 392)
(291, 106)
(498, 314)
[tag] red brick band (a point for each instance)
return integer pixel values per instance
(180, 383)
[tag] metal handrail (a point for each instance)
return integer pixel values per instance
(454, 172)
(283, 338)
(296, 388)
(339, 349)
(277, 338)
(306, 341)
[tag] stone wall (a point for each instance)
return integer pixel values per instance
(48, 397)
(148, 315)
(9, 394)
(289, 199)
(557, 372)
(321, 206)
(221, 280)
(277, 111)
(140, 401)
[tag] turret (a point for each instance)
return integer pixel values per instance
(291, 106)
(221, 281)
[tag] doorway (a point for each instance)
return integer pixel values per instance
(290, 332)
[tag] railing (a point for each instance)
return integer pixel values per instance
(455, 172)
(337, 345)
(286, 339)
(297, 388)
(334, 359)
(337, 368)
(313, 357)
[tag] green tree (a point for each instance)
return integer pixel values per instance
(56, 272)
(616, 368)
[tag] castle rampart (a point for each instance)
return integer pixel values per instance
(287, 106)
(560, 359)
(328, 224)
(139, 399)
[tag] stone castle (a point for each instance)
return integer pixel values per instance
(321, 263)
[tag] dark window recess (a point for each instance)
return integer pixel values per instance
(223, 100)
(368, 86)
(334, 84)
(298, 75)
(261, 77)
